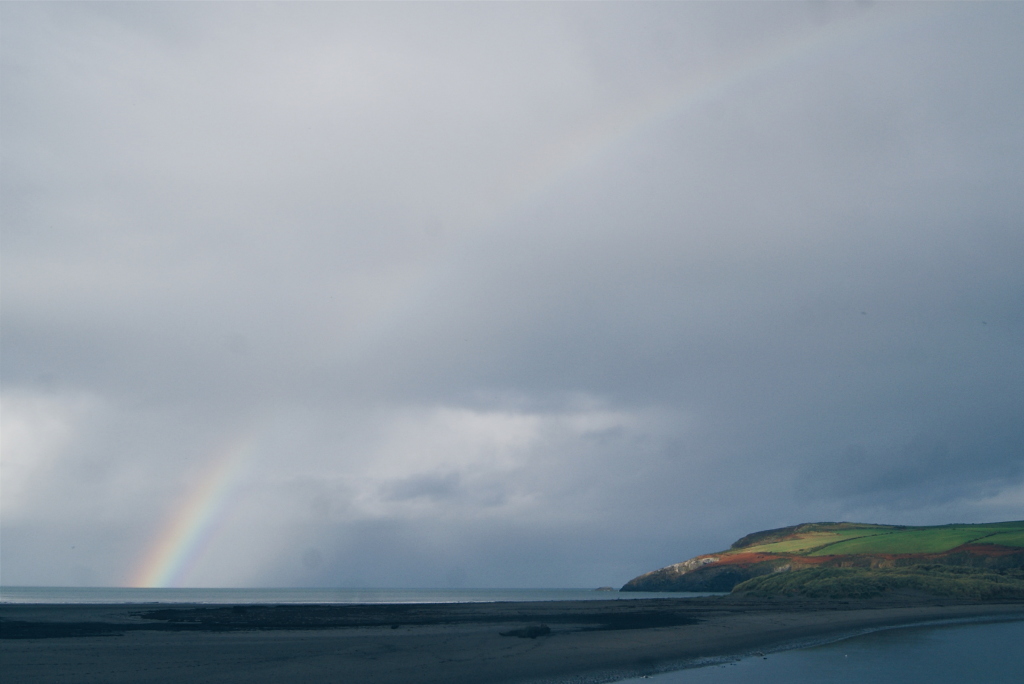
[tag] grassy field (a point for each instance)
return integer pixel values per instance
(842, 539)
(913, 540)
(1014, 538)
(812, 540)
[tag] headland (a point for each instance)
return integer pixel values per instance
(856, 560)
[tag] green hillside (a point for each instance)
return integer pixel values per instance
(1014, 538)
(825, 539)
(983, 561)
(917, 540)
(936, 580)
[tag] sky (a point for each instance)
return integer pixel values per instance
(499, 295)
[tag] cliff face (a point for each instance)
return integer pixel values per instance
(706, 575)
(996, 546)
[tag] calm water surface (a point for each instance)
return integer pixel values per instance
(978, 652)
(276, 596)
(989, 652)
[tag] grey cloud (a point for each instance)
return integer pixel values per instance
(459, 274)
(924, 469)
(430, 486)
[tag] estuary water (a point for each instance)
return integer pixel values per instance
(983, 652)
(336, 596)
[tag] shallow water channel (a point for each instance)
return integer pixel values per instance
(989, 652)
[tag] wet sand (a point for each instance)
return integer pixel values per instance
(550, 641)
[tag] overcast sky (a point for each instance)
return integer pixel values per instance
(500, 295)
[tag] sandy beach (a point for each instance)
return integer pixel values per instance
(550, 641)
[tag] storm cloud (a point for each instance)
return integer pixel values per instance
(501, 294)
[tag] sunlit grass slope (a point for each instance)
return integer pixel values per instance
(856, 559)
(811, 541)
(843, 539)
(1015, 539)
(845, 560)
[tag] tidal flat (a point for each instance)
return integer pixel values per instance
(507, 642)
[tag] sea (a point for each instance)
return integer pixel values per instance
(977, 651)
(335, 596)
(945, 652)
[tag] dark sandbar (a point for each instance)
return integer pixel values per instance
(513, 642)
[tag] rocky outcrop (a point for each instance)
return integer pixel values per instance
(703, 573)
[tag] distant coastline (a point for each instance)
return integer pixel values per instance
(811, 582)
(858, 560)
(324, 596)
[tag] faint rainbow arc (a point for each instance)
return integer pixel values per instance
(586, 144)
(189, 528)
(582, 146)
(183, 539)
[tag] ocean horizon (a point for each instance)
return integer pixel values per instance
(284, 595)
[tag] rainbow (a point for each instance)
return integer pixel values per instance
(588, 144)
(187, 534)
